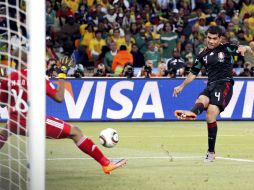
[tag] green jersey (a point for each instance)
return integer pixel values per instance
(171, 40)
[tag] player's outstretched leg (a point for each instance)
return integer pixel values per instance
(3, 137)
(86, 145)
(200, 105)
(113, 165)
(58, 129)
(185, 115)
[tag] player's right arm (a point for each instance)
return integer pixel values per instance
(195, 69)
(179, 89)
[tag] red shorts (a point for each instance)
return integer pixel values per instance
(55, 128)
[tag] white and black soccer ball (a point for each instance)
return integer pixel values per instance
(108, 137)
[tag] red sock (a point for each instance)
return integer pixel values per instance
(88, 147)
(212, 133)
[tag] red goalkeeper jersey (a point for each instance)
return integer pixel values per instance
(15, 88)
(13, 94)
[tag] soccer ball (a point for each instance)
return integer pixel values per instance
(108, 137)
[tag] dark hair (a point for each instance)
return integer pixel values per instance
(104, 50)
(90, 24)
(214, 30)
(134, 44)
(98, 31)
(164, 26)
(128, 70)
(116, 30)
(123, 47)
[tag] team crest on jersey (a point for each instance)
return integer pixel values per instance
(221, 56)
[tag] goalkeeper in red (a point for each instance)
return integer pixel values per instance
(218, 60)
(16, 84)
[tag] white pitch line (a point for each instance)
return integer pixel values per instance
(181, 136)
(235, 159)
(161, 157)
(153, 157)
(131, 158)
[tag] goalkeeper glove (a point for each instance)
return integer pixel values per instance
(62, 72)
(66, 63)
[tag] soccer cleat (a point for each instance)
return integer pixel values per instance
(113, 165)
(210, 157)
(185, 115)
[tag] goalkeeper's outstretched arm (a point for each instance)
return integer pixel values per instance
(188, 80)
(59, 95)
(65, 62)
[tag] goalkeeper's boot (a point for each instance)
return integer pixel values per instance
(210, 157)
(185, 115)
(113, 165)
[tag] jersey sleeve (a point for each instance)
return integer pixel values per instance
(50, 88)
(196, 67)
(231, 48)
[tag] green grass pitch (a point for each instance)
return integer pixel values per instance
(162, 155)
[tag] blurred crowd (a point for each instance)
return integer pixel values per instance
(143, 38)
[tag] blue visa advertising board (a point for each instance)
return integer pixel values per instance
(118, 99)
(114, 99)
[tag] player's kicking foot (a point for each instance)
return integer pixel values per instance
(113, 165)
(185, 115)
(210, 157)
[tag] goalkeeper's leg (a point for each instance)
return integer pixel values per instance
(86, 145)
(3, 137)
(58, 129)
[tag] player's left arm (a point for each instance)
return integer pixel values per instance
(59, 95)
(56, 94)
